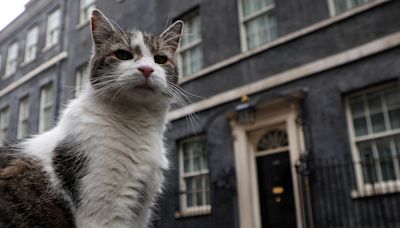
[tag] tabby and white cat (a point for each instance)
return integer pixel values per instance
(102, 165)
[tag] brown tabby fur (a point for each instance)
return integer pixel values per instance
(25, 200)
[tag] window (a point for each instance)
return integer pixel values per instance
(340, 6)
(31, 44)
(46, 108)
(4, 116)
(374, 119)
(82, 77)
(190, 51)
(194, 175)
(12, 56)
(23, 118)
(53, 28)
(259, 22)
(87, 6)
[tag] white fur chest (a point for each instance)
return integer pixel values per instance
(125, 169)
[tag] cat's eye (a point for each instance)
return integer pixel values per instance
(160, 59)
(123, 55)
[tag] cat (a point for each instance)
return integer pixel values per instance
(102, 164)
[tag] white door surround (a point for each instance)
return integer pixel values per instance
(283, 113)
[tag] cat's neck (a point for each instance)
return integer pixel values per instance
(152, 112)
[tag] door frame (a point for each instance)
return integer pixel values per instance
(284, 112)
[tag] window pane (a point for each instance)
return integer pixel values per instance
(378, 122)
(386, 159)
(251, 6)
(196, 59)
(260, 30)
(199, 191)
(367, 162)
(394, 117)
(189, 192)
(392, 97)
(360, 126)
(397, 147)
(340, 6)
(374, 102)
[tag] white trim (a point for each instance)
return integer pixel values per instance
(23, 117)
(83, 9)
(296, 73)
(381, 188)
(32, 34)
(185, 211)
(33, 73)
(196, 43)
(281, 114)
(367, 189)
(243, 19)
(82, 25)
(279, 41)
(54, 17)
(255, 14)
(4, 114)
(189, 46)
(46, 102)
(332, 8)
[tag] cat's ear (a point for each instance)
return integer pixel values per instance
(172, 35)
(102, 27)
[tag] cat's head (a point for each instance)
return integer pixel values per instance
(132, 65)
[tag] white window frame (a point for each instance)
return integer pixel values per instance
(12, 59)
(243, 19)
(32, 37)
(84, 10)
(46, 103)
(23, 118)
(81, 78)
(54, 23)
(350, 6)
(379, 187)
(184, 209)
(187, 47)
(4, 124)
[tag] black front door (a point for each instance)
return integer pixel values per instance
(276, 191)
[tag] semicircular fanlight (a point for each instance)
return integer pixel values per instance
(273, 139)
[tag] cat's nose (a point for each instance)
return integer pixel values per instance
(146, 70)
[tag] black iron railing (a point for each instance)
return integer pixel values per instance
(343, 192)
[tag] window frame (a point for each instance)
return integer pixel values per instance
(192, 45)
(4, 129)
(380, 186)
(23, 117)
(84, 17)
(243, 19)
(43, 106)
(184, 209)
(49, 40)
(28, 58)
(81, 73)
(10, 71)
(332, 6)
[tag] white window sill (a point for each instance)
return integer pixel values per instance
(369, 190)
(82, 25)
(192, 212)
(7, 75)
(48, 47)
(27, 62)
